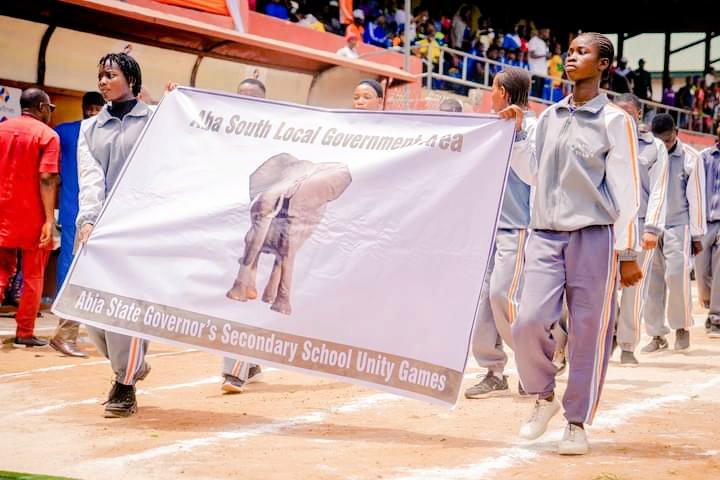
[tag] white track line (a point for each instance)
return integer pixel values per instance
(509, 457)
(246, 432)
(150, 391)
(83, 364)
(95, 400)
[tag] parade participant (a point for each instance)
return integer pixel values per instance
(707, 263)
(236, 373)
(669, 283)
(503, 280)
(104, 145)
(29, 164)
(65, 338)
(368, 95)
(584, 167)
(653, 167)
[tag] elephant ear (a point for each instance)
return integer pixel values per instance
(323, 183)
(271, 173)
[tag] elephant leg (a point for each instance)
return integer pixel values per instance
(282, 300)
(272, 286)
(253, 244)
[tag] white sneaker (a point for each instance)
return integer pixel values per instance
(574, 441)
(536, 425)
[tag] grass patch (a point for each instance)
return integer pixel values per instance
(28, 476)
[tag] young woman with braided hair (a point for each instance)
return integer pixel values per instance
(582, 160)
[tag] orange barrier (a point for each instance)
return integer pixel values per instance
(212, 6)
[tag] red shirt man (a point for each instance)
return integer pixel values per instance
(29, 164)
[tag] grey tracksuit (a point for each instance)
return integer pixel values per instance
(104, 145)
(236, 368)
(669, 282)
(585, 169)
(500, 295)
(707, 264)
(653, 166)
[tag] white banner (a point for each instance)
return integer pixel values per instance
(343, 243)
(9, 102)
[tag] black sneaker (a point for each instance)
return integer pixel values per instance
(254, 374)
(657, 344)
(627, 359)
(682, 339)
(714, 330)
(490, 386)
(121, 401)
(233, 384)
(23, 342)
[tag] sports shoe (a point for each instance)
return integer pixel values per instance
(574, 441)
(536, 425)
(144, 371)
(490, 386)
(657, 344)
(627, 359)
(24, 342)
(121, 402)
(232, 384)
(66, 348)
(254, 374)
(714, 330)
(682, 339)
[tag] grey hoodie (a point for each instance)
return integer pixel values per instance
(515, 213)
(104, 146)
(583, 163)
(711, 164)
(686, 190)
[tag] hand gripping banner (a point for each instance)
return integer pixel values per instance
(341, 243)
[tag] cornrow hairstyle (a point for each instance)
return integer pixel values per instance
(516, 82)
(128, 66)
(257, 83)
(662, 123)
(629, 99)
(375, 85)
(605, 49)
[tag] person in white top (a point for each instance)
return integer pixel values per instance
(538, 54)
(350, 50)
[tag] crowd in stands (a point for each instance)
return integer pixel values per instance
(699, 94)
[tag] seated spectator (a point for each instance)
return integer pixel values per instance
(356, 28)
(398, 40)
(556, 67)
(375, 33)
(307, 19)
(277, 9)
(350, 50)
(501, 55)
(525, 60)
(485, 33)
(512, 58)
(493, 68)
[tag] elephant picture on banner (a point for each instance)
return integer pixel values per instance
(288, 199)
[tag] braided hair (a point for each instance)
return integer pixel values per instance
(128, 66)
(605, 49)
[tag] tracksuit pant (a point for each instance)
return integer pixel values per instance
(126, 354)
(67, 330)
(499, 300)
(669, 283)
(33, 270)
(707, 270)
(581, 265)
(632, 303)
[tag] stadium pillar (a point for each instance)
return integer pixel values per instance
(708, 39)
(666, 56)
(621, 45)
(406, 39)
